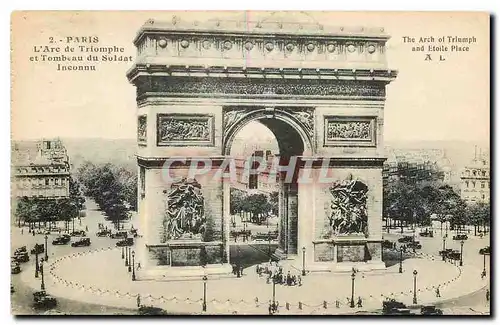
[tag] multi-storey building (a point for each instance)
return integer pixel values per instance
(475, 180)
(43, 172)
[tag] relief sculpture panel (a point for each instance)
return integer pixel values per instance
(185, 130)
(349, 214)
(185, 216)
(349, 131)
(142, 129)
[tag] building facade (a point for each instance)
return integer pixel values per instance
(475, 181)
(41, 173)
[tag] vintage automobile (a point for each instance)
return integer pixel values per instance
(78, 233)
(485, 251)
(453, 255)
(393, 307)
(125, 242)
(61, 240)
(405, 239)
(38, 249)
(119, 235)
(103, 233)
(85, 241)
(445, 252)
(43, 300)
(430, 310)
(415, 244)
(460, 237)
(149, 310)
(426, 233)
(387, 244)
(21, 257)
(15, 269)
(133, 232)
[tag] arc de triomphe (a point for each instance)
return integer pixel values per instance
(320, 90)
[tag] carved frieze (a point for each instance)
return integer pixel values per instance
(185, 215)
(349, 131)
(185, 130)
(242, 86)
(142, 129)
(349, 207)
(232, 116)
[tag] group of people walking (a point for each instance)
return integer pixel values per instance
(274, 272)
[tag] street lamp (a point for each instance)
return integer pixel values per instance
(123, 253)
(126, 256)
(46, 249)
(400, 259)
(461, 252)
(353, 276)
(37, 266)
(204, 307)
(129, 260)
(274, 291)
(415, 287)
(133, 266)
(303, 261)
(444, 248)
(484, 264)
(42, 286)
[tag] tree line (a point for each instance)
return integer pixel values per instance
(36, 210)
(417, 204)
(113, 188)
(255, 208)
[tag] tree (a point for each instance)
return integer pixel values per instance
(478, 214)
(274, 201)
(258, 206)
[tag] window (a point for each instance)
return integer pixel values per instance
(483, 196)
(47, 181)
(473, 184)
(474, 173)
(482, 185)
(466, 183)
(484, 173)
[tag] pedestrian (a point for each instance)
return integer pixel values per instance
(22, 231)
(138, 300)
(360, 302)
(337, 304)
(299, 279)
(487, 294)
(438, 293)
(483, 274)
(86, 228)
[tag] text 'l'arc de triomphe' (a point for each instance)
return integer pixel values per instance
(320, 90)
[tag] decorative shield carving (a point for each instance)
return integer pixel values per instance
(185, 217)
(348, 207)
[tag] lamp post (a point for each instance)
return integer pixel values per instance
(37, 266)
(133, 266)
(415, 287)
(274, 291)
(303, 261)
(204, 306)
(126, 256)
(46, 249)
(484, 264)
(42, 286)
(461, 252)
(123, 253)
(444, 248)
(353, 276)
(129, 260)
(401, 260)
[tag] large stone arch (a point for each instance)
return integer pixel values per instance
(293, 136)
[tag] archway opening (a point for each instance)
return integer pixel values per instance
(264, 205)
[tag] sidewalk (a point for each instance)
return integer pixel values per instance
(83, 277)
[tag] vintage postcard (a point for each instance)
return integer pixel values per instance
(250, 163)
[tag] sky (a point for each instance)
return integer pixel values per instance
(428, 101)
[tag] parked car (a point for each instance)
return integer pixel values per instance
(81, 242)
(453, 255)
(103, 233)
(392, 307)
(21, 257)
(119, 235)
(78, 233)
(38, 249)
(427, 233)
(43, 300)
(430, 310)
(460, 237)
(405, 239)
(387, 244)
(15, 269)
(125, 242)
(485, 251)
(21, 249)
(61, 240)
(149, 310)
(445, 252)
